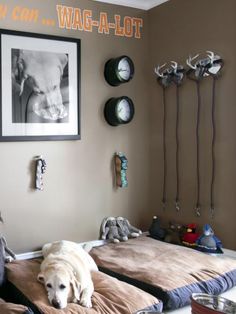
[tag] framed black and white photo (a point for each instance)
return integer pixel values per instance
(40, 87)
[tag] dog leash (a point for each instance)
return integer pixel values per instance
(164, 150)
(198, 206)
(177, 205)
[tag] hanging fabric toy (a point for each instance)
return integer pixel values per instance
(121, 165)
(177, 77)
(40, 169)
(164, 78)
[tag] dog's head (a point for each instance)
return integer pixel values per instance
(61, 285)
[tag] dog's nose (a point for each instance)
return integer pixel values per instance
(56, 304)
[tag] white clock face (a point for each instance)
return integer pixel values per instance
(124, 69)
(123, 110)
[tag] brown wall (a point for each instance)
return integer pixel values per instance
(78, 183)
(179, 28)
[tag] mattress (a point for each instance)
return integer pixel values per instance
(111, 296)
(167, 271)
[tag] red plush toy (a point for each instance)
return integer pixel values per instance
(191, 236)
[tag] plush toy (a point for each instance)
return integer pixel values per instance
(40, 169)
(174, 233)
(121, 165)
(127, 229)
(191, 235)
(109, 230)
(122, 234)
(208, 241)
(155, 230)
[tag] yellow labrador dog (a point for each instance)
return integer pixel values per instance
(65, 272)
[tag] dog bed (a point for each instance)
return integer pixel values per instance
(169, 272)
(111, 296)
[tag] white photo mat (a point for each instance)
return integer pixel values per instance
(39, 131)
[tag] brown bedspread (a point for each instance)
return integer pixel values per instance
(111, 296)
(166, 267)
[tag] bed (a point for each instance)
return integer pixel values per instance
(169, 272)
(111, 295)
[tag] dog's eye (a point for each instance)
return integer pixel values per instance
(55, 87)
(49, 285)
(62, 287)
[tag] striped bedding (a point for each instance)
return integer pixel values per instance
(167, 271)
(111, 296)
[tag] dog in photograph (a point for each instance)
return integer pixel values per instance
(41, 72)
(66, 274)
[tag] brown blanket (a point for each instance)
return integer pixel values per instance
(111, 296)
(167, 268)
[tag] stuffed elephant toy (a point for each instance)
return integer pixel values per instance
(127, 229)
(109, 230)
(117, 229)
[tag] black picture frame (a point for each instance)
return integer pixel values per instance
(40, 87)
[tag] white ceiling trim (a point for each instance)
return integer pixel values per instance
(138, 4)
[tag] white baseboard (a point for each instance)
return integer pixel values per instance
(35, 254)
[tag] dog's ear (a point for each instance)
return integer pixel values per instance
(40, 277)
(76, 288)
(18, 69)
(63, 61)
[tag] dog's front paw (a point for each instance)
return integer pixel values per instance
(75, 300)
(86, 302)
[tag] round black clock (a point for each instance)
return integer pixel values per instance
(119, 110)
(119, 70)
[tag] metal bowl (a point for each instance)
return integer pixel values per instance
(205, 303)
(148, 312)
